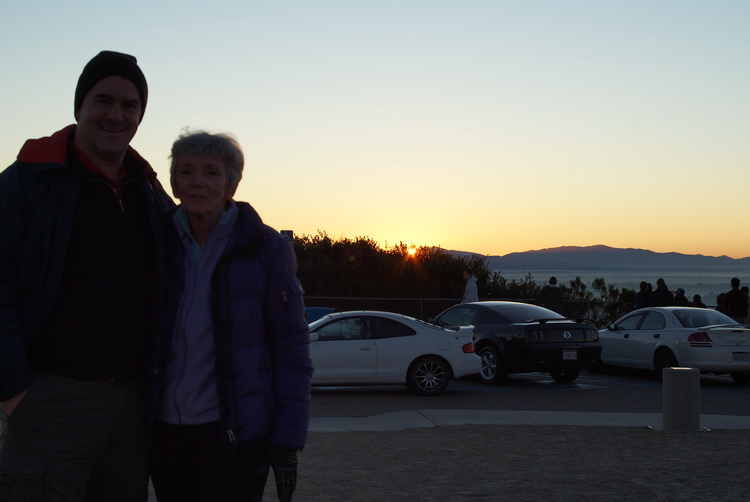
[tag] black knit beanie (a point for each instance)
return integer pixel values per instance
(108, 63)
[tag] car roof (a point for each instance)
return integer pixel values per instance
(492, 303)
(375, 313)
(499, 306)
(672, 307)
(369, 312)
(676, 308)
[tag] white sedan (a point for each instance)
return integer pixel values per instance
(663, 337)
(370, 347)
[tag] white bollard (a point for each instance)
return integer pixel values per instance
(681, 399)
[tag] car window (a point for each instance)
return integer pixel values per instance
(490, 317)
(701, 317)
(630, 322)
(461, 316)
(654, 320)
(350, 328)
(388, 328)
(691, 319)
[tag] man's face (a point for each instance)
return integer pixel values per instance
(466, 275)
(202, 185)
(108, 119)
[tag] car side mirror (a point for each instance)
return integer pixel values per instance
(611, 326)
(314, 337)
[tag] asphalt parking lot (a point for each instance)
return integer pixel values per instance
(616, 391)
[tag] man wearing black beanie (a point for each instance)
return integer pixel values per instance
(81, 239)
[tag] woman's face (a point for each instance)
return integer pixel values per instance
(202, 185)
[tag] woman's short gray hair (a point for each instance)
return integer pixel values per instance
(222, 145)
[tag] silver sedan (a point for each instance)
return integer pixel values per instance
(662, 337)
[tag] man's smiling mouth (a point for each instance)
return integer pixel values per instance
(112, 131)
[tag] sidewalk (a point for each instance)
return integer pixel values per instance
(410, 419)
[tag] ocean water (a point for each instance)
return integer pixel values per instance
(707, 283)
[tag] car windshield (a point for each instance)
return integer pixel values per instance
(520, 312)
(701, 317)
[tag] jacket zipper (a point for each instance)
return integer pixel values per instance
(117, 195)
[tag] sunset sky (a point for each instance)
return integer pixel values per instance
(490, 126)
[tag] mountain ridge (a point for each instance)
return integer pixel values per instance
(606, 257)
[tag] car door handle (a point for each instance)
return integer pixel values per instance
(626, 335)
(657, 335)
(365, 348)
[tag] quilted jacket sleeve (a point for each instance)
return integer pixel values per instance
(289, 346)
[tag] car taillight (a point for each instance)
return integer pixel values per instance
(700, 339)
(590, 335)
(468, 348)
(535, 335)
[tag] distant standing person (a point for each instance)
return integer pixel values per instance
(643, 296)
(680, 299)
(551, 296)
(736, 302)
(698, 302)
(721, 303)
(662, 296)
(471, 294)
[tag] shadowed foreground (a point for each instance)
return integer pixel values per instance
(524, 463)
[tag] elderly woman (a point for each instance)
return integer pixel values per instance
(235, 369)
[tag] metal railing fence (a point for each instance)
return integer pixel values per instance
(600, 313)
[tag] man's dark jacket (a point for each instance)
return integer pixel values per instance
(38, 195)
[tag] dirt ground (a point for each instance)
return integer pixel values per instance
(523, 463)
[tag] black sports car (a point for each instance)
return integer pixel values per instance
(514, 337)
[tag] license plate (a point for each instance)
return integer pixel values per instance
(570, 355)
(740, 357)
